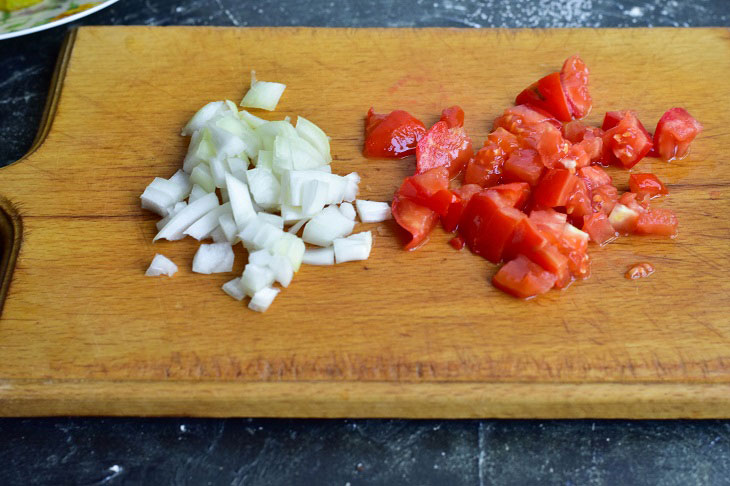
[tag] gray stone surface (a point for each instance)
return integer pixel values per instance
(89, 451)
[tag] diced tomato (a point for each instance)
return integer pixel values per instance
(577, 157)
(522, 119)
(590, 139)
(574, 78)
(573, 244)
(613, 118)
(647, 183)
(604, 198)
(599, 229)
(594, 177)
(393, 135)
(505, 140)
(639, 202)
(485, 168)
(430, 189)
(487, 225)
(627, 142)
(674, 133)
(555, 188)
(547, 94)
(457, 242)
(523, 278)
(550, 146)
(579, 202)
(623, 218)
(443, 147)
(416, 219)
(523, 165)
(530, 241)
(463, 195)
(657, 221)
(549, 222)
(514, 194)
(453, 116)
(574, 131)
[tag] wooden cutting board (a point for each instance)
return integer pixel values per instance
(419, 334)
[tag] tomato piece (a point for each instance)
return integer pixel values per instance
(574, 131)
(549, 144)
(514, 194)
(530, 241)
(627, 142)
(453, 116)
(574, 245)
(487, 225)
(576, 158)
(647, 183)
(613, 118)
(639, 202)
(674, 133)
(579, 202)
(416, 219)
(394, 135)
(523, 165)
(623, 218)
(549, 222)
(555, 188)
(657, 221)
(547, 94)
(442, 146)
(524, 119)
(430, 189)
(463, 194)
(485, 168)
(523, 278)
(503, 139)
(590, 139)
(594, 177)
(574, 78)
(599, 229)
(457, 242)
(604, 198)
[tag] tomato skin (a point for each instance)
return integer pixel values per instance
(574, 79)
(599, 229)
(462, 194)
(555, 188)
(523, 278)
(523, 119)
(604, 198)
(443, 146)
(453, 116)
(394, 135)
(487, 225)
(594, 177)
(647, 183)
(547, 94)
(674, 134)
(523, 165)
(457, 243)
(657, 221)
(416, 219)
(485, 168)
(627, 142)
(430, 189)
(514, 194)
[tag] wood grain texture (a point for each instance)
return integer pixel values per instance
(419, 334)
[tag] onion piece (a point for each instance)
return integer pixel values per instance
(272, 219)
(264, 187)
(261, 258)
(233, 288)
(352, 186)
(191, 213)
(262, 299)
(265, 160)
(297, 226)
(175, 209)
(213, 258)
(201, 176)
(282, 268)
(291, 213)
(348, 210)
(228, 226)
(372, 211)
(181, 180)
(203, 227)
(252, 120)
(327, 225)
(203, 115)
(226, 144)
(218, 236)
(161, 265)
(324, 168)
(267, 132)
(237, 166)
(196, 193)
(315, 136)
(200, 150)
(218, 172)
(314, 196)
(319, 256)
(293, 184)
(294, 153)
(255, 278)
(263, 94)
(157, 201)
(353, 248)
(292, 247)
(241, 206)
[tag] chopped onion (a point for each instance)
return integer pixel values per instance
(297, 226)
(315, 136)
(203, 227)
(291, 213)
(196, 193)
(265, 160)
(218, 236)
(161, 265)
(237, 166)
(229, 228)
(213, 258)
(255, 278)
(319, 256)
(157, 201)
(218, 171)
(252, 120)
(283, 270)
(324, 168)
(294, 153)
(267, 132)
(372, 211)
(201, 176)
(348, 210)
(352, 186)
(206, 113)
(261, 258)
(262, 299)
(292, 247)
(233, 288)
(327, 225)
(226, 144)
(272, 219)
(264, 187)
(263, 94)
(191, 213)
(241, 205)
(181, 181)
(200, 150)
(354, 247)
(293, 184)
(175, 209)
(314, 196)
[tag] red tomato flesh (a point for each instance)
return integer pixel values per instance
(443, 147)
(547, 94)
(594, 177)
(514, 194)
(463, 194)
(394, 135)
(674, 133)
(657, 221)
(416, 219)
(523, 165)
(430, 189)
(453, 116)
(485, 168)
(487, 225)
(574, 78)
(555, 188)
(627, 142)
(523, 278)
(599, 229)
(647, 183)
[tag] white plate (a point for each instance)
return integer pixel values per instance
(47, 14)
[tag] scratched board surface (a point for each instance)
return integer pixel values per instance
(418, 334)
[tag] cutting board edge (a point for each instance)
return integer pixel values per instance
(366, 400)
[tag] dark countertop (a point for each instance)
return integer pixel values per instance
(92, 451)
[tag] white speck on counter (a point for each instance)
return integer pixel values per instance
(634, 12)
(183, 428)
